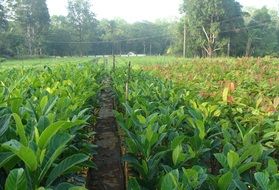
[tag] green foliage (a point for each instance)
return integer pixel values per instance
(16, 180)
(203, 19)
(213, 28)
(3, 17)
(83, 22)
(32, 21)
(178, 137)
(262, 33)
(65, 165)
(44, 113)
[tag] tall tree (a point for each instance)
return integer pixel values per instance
(3, 18)
(204, 23)
(82, 20)
(214, 27)
(233, 28)
(33, 19)
(59, 37)
(262, 34)
(3, 26)
(113, 31)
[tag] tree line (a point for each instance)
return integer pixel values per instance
(225, 28)
(207, 28)
(27, 29)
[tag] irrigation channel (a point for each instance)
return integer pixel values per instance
(109, 173)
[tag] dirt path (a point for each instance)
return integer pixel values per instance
(108, 160)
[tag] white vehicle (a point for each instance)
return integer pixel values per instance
(131, 54)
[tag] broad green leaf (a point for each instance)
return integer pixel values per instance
(246, 166)
(221, 159)
(24, 153)
(43, 123)
(36, 135)
(43, 104)
(201, 127)
(195, 176)
(42, 156)
(177, 141)
(145, 167)
(141, 119)
(133, 161)
(192, 176)
(225, 181)
(56, 148)
(254, 151)
(20, 130)
(239, 184)
(225, 95)
(71, 124)
(16, 180)
(49, 132)
(51, 103)
(233, 159)
(177, 155)
(5, 157)
(262, 179)
(259, 101)
(65, 165)
(4, 124)
(169, 182)
(272, 167)
(133, 184)
(15, 105)
(149, 134)
(129, 110)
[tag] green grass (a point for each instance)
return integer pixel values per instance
(43, 61)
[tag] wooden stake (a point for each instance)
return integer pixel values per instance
(184, 42)
(126, 170)
(113, 62)
(126, 167)
(128, 80)
(229, 48)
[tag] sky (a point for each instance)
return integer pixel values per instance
(138, 10)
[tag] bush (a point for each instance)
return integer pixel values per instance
(2, 60)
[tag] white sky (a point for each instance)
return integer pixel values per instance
(138, 10)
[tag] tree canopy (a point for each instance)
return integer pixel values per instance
(213, 28)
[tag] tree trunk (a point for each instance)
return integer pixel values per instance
(229, 48)
(80, 42)
(248, 47)
(29, 40)
(210, 51)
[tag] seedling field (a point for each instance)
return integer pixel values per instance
(182, 123)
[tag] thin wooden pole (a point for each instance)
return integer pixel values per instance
(126, 167)
(113, 62)
(128, 81)
(229, 48)
(184, 42)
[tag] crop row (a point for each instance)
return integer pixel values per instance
(251, 81)
(44, 112)
(175, 140)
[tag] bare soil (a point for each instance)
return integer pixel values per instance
(109, 173)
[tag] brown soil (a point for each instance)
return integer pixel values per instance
(109, 172)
